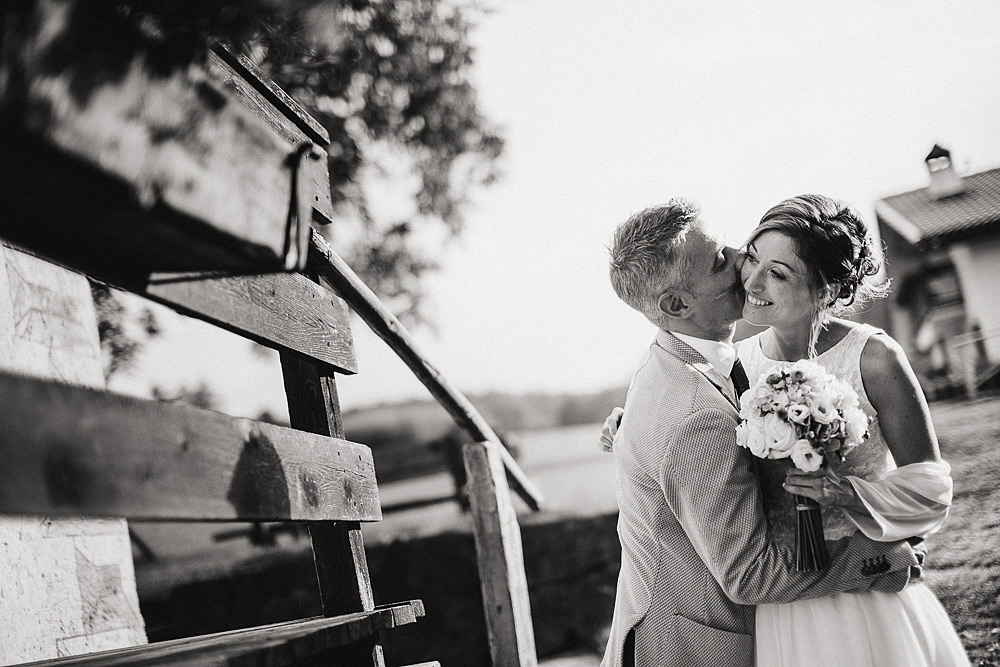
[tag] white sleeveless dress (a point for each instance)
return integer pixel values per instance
(874, 629)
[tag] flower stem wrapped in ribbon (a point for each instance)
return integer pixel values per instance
(802, 413)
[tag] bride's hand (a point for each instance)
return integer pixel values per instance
(824, 486)
(611, 429)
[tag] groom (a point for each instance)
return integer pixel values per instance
(695, 550)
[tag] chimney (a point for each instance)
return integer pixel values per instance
(944, 181)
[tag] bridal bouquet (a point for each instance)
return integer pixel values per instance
(802, 413)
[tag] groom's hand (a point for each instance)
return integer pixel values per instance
(610, 429)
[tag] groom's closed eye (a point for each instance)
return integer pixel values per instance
(720, 262)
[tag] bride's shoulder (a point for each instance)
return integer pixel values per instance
(883, 359)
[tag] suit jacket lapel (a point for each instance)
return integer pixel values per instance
(693, 358)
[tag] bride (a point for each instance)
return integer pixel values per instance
(808, 260)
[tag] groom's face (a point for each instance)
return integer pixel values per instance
(713, 285)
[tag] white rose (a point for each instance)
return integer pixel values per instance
(779, 436)
(848, 397)
(823, 409)
(779, 401)
(856, 426)
(751, 435)
(798, 414)
(805, 457)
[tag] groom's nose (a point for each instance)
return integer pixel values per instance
(738, 260)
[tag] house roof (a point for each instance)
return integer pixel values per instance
(919, 217)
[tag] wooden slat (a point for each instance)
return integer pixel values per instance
(169, 172)
(501, 561)
(359, 297)
(279, 310)
(75, 451)
(338, 548)
(274, 108)
(277, 645)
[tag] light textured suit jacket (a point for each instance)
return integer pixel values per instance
(695, 550)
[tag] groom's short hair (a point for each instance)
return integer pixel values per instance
(647, 255)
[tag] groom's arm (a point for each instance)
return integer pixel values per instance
(711, 485)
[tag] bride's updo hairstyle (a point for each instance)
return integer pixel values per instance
(832, 241)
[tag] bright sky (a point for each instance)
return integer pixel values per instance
(607, 111)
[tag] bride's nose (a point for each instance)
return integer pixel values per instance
(751, 278)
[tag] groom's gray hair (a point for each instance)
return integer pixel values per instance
(647, 256)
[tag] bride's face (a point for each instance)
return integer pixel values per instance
(776, 281)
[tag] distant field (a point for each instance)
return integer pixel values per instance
(965, 556)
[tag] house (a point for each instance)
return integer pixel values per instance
(942, 246)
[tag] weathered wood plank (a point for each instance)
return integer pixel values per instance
(363, 301)
(75, 451)
(296, 127)
(148, 151)
(277, 645)
(56, 573)
(279, 310)
(501, 561)
(338, 548)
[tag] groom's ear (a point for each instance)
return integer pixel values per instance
(673, 304)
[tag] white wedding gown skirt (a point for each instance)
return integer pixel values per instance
(874, 629)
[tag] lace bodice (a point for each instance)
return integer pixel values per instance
(871, 460)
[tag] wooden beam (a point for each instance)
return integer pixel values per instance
(81, 452)
(282, 114)
(501, 561)
(324, 261)
(280, 310)
(277, 645)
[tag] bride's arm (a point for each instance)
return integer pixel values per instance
(895, 394)
(913, 499)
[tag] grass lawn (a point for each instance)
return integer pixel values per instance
(964, 557)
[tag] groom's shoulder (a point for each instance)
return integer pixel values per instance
(664, 382)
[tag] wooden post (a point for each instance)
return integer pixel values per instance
(501, 561)
(338, 548)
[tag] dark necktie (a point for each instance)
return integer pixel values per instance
(739, 378)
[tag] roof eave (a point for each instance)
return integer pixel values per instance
(898, 221)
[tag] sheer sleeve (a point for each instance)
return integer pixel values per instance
(907, 502)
